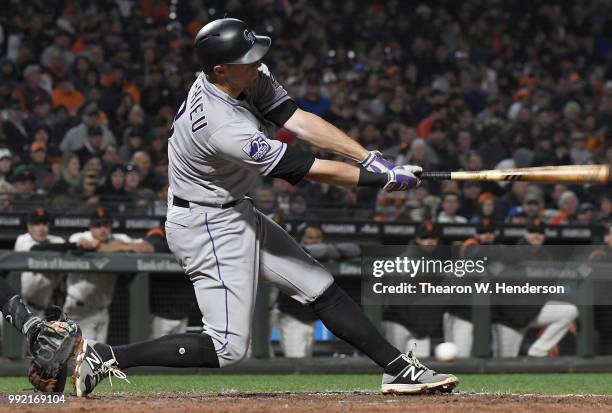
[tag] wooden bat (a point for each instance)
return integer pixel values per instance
(566, 174)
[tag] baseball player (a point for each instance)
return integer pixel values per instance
(220, 146)
(37, 287)
(510, 322)
(88, 295)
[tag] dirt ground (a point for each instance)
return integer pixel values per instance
(328, 402)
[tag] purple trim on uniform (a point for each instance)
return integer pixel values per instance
(275, 160)
(270, 106)
(210, 91)
(220, 278)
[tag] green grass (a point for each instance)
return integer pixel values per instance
(489, 383)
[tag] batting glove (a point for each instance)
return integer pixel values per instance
(374, 162)
(402, 178)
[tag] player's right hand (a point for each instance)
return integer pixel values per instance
(374, 162)
(402, 178)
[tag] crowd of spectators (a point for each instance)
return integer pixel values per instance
(88, 92)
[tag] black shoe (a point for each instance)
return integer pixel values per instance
(415, 378)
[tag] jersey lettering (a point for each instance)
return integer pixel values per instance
(195, 107)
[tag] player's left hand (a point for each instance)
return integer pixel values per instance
(51, 344)
(374, 162)
(402, 178)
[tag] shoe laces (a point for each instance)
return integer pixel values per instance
(112, 368)
(412, 359)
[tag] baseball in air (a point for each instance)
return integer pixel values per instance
(446, 351)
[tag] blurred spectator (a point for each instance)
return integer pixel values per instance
(160, 205)
(39, 166)
(67, 96)
(77, 137)
(568, 206)
(470, 192)
(486, 208)
(141, 198)
(68, 178)
(113, 192)
(510, 200)
(6, 164)
(13, 126)
(7, 196)
(23, 184)
(142, 161)
(450, 206)
(88, 295)
(93, 145)
(32, 88)
(586, 214)
(578, 153)
(133, 143)
(86, 198)
(311, 100)
(265, 200)
(529, 209)
(298, 208)
(110, 157)
(466, 99)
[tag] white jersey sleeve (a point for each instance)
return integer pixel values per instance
(268, 94)
(79, 236)
(24, 242)
(240, 142)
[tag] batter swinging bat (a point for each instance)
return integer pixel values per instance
(567, 174)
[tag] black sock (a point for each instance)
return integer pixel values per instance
(174, 350)
(343, 317)
(14, 309)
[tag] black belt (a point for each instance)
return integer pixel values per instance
(179, 202)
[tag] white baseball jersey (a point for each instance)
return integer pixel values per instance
(220, 145)
(93, 291)
(25, 242)
(37, 287)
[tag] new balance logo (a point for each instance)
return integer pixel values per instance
(93, 361)
(414, 373)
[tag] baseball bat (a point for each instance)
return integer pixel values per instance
(566, 174)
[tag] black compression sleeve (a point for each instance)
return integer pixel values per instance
(174, 350)
(367, 178)
(345, 319)
(294, 165)
(281, 114)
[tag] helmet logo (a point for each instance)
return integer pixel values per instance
(249, 36)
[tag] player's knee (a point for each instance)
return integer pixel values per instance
(233, 352)
(569, 312)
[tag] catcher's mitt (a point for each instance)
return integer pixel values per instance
(51, 345)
